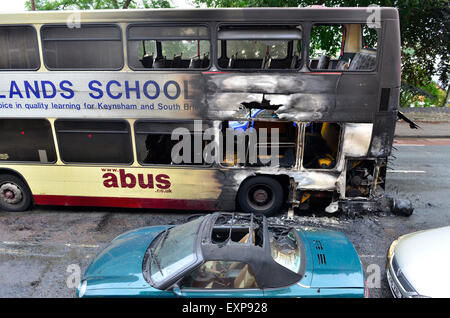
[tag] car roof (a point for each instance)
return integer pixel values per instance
(256, 251)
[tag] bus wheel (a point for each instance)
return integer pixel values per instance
(14, 194)
(261, 195)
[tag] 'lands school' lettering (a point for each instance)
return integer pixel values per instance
(135, 90)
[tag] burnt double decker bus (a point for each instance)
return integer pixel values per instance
(131, 108)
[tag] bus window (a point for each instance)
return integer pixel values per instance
(94, 141)
(154, 144)
(241, 47)
(90, 47)
(321, 145)
(168, 47)
(26, 140)
(255, 152)
(251, 50)
(18, 48)
(343, 47)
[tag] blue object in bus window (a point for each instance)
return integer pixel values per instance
(243, 125)
(238, 125)
(312, 127)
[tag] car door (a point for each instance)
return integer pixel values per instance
(221, 293)
(300, 289)
(293, 291)
(220, 279)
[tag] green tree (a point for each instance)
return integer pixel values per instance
(424, 32)
(97, 4)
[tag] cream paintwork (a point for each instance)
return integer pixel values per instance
(197, 184)
(356, 140)
(186, 182)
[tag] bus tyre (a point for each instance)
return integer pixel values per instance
(15, 196)
(261, 195)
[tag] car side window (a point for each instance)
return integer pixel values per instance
(221, 275)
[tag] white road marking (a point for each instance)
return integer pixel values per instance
(50, 244)
(26, 248)
(81, 245)
(406, 171)
(7, 251)
(10, 243)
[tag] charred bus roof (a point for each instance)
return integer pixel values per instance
(317, 14)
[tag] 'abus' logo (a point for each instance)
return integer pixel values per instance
(129, 180)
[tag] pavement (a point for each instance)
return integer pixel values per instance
(425, 130)
(427, 114)
(433, 123)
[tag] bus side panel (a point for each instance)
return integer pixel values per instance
(122, 187)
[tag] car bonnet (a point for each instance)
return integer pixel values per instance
(119, 265)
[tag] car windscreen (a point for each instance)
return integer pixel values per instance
(174, 251)
(285, 248)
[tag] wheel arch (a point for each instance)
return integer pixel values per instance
(283, 179)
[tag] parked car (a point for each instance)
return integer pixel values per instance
(418, 264)
(226, 255)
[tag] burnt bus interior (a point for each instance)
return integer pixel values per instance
(321, 145)
(343, 47)
(259, 47)
(286, 151)
(332, 47)
(365, 178)
(316, 201)
(169, 47)
(155, 142)
(238, 47)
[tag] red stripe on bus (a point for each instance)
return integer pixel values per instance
(176, 204)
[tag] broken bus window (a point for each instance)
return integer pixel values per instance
(259, 47)
(343, 47)
(321, 145)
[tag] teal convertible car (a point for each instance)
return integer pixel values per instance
(226, 255)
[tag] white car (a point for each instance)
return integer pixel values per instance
(418, 264)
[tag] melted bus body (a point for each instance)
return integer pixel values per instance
(88, 102)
